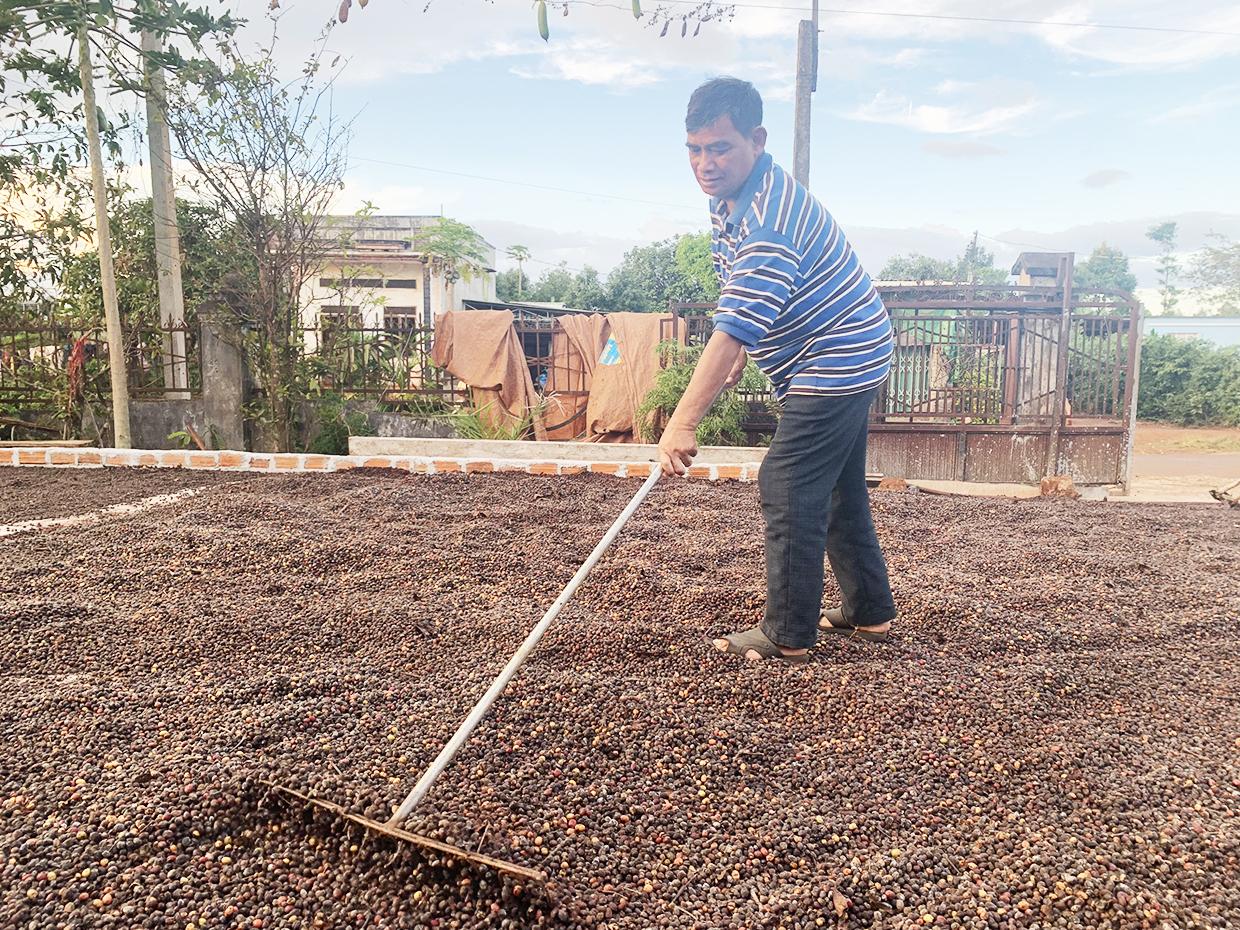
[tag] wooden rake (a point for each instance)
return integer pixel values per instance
(392, 826)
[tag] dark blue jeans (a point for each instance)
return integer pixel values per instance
(815, 502)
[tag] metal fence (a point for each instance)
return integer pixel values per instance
(991, 356)
(50, 363)
(389, 362)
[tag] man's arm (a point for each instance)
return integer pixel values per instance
(720, 366)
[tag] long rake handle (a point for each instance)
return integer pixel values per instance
(497, 687)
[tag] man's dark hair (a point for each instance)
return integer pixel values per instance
(738, 99)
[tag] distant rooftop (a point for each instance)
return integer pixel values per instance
(547, 308)
(378, 229)
(1038, 264)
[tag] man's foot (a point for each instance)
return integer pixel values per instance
(832, 621)
(754, 645)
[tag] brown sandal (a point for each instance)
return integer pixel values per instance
(739, 644)
(833, 622)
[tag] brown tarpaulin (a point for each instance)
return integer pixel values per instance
(624, 373)
(482, 349)
(576, 344)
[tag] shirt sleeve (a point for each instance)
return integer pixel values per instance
(757, 287)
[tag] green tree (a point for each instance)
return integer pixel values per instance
(977, 265)
(271, 155)
(645, 278)
(1189, 382)
(699, 281)
(920, 268)
(649, 277)
(455, 251)
(513, 284)
(211, 249)
(519, 254)
(587, 291)
(1165, 235)
(44, 191)
(1106, 268)
(553, 285)
(1216, 270)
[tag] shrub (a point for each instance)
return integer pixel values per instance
(723, 424)
(1189, 382)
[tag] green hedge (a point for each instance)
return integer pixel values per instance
(1189, 382)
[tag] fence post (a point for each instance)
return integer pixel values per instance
(223, 381)
(1062, 360)
(1132, 392)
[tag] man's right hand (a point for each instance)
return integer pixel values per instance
(677, 448)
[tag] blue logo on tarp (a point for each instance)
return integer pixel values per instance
(611, 352)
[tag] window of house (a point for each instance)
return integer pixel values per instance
(350, 282)
(408, 283)
(400, 320)
(340, 317)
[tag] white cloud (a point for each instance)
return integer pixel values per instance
(398, 199)
(549, 247)
(592, 61)
(1062, 27)
(981, 109)
(1213, 101)
(1105, 178)
(951, 148)
(1135, 49)
(390, 39)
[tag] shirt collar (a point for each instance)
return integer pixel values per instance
(745, 198)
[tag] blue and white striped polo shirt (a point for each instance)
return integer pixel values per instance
(793, 292)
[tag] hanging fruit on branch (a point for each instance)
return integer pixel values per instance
(661, 16)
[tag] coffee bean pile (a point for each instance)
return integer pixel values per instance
(1051, 740)
(34, 493)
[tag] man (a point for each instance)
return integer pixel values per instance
(795, 298)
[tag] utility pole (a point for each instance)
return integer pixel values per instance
(103, 241)
(807, 83)
(972, 259)
(167, 233)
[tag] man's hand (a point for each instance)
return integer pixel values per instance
(677, 449)
(723, 357)
(737, 372)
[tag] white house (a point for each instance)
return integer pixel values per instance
(374, 273)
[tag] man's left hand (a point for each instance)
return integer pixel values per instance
(677, 449)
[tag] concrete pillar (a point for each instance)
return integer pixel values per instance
(223, 383)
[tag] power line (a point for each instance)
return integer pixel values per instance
(529, 184)
(994, 20)
(1019, 245)
(1036, 22)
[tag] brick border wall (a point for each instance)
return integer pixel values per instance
(297, 463)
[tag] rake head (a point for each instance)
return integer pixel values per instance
(396, 833)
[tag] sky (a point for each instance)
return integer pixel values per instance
(1040, 135)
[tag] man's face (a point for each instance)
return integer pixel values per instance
(722, 158)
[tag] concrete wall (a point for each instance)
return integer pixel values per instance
(151, 421)
(536, 451)
(401, 425)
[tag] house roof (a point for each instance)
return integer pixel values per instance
(531, 307)
(1042, 264)
(373, 231)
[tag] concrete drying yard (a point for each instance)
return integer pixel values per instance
(1052, 740)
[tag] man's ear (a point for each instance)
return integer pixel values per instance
(759, 139)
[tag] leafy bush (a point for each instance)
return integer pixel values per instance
(335, 424)
(723, 424)
(1189, 382)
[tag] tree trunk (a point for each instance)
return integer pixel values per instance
(103, 235)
